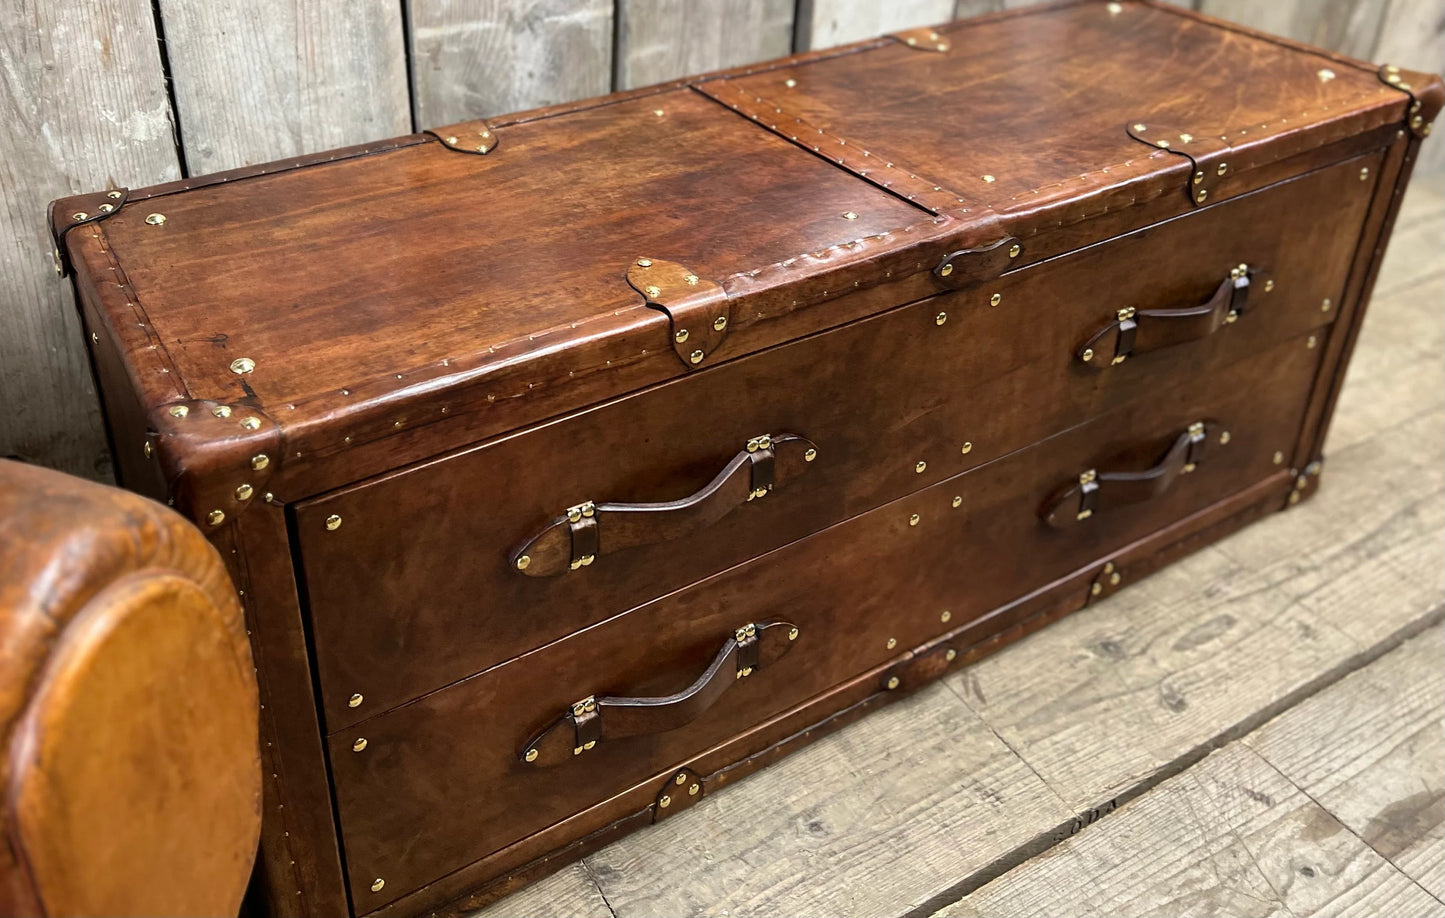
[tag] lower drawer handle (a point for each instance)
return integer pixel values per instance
(1095, 491)
(593, 719)
(1135, 331)
(587, 531)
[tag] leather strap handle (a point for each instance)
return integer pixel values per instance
(1135, 331)
(587, 531)
(592, 720)
(1095, 491)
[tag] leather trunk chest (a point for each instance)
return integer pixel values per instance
(574, 464)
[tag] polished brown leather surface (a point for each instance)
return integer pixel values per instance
(380, 379)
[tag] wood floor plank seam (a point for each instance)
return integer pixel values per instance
(1257, 718)
(592, 878)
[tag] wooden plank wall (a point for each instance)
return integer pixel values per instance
(100, 93)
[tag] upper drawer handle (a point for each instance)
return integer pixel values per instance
(593, 719)
(1134, 331)
(1095, 490)
(584, 532)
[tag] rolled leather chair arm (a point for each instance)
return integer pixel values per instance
(128, 707)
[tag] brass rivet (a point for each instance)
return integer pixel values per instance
(1268, 286)
(792, 634)
(1301, 482)
(719, 323)
(250, 423)
(147, 449)
(696, 356)
(946, 270)
(681, 335)
(692, 791)
(1278, 458)
(524, 562)
(790, 82)
(1114, 579)
(665, 801)
(482, 148)
(1203, 193)
(658, 112)
(920, 466)
(179, 411)
(995, 299)
(940, 318)
(892, 643)
(990, 179)
(94, 338)
(945, 615)
(957, 501)
(1325, 306)
(1325, 75)
(1223, 437)
(221, 411)
(377, 884)
(1199, 177)
(810, 455)
(333, 523)
(244, 492)
(242, 365)
(951, 655)
(1114, 8)
(258, 461)
(1108, 567)
(652, 290)
(531, 755)
(1364, 173)
(156, 219)
(1087, 355)
(892, 683)
(849, 215)
(680, 779)
(453, 140)
(114, 195)
(359, 745)
(1014, 251)
(355, 702)
(1311, 341)
(1223, 168)
(1187, 138)
(690, 279)
(967, 447)
(216, 517)
(1164, 144)
(644, 262)
(79, 215)
(1294, 497)
(913, 520)
(1096, 589)
(1140, 128)
(107, 208)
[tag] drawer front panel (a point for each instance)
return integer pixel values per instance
(443, 781)
(411, 578)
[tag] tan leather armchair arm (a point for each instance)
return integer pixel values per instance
(128, 707)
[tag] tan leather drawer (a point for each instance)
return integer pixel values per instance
(411, 580)
(444, 780)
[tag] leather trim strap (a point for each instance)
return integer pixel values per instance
(922, 39)
(68, 213)
(475, 137)
(697, 309)
(1095, 490)
(1208, 155)
(1426, 92)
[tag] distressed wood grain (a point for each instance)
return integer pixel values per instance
(84, 108)
(1230, 836)
(1370, 749)
(570, 892)
(478, 58)
(1349, 26)
(261, 81)
(660, 40)
(1414, 36)
(825, 23)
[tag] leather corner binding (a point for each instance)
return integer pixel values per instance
(66, 214)
(678, 792)
(697, 309)
(967, 267)
(1108, 582)
(1208, 155)
(1426, 92)
(919, 668)
(1306, 483)
(924, 39)
(216, 459)
(475, 137)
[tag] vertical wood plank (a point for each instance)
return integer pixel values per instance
(660, 40)
(477, 58)
(84, 107)
(256, 81)
(825, 23)
(1413, 36)
(1347, 26)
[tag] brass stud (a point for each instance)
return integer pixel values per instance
(1364, 173)
(1114, 579)
(107, 208)
(1415, 123)
(1223, 168)
(1269, 286)
(696, 356)
(946, 270)
(913, 520)
(950, 655)
(1087, 355)
(680, 779)
(644, 262)
(1311, 342)
(155, 219)
(216, 517)
(658, 112)
(147, 449)
(355, 702)
(1301, 482)
(810, 455)
(250, 423)
(1201, 195)
(1294, 497)
(995, 299)
(1223, 437)
(1278, 458)
(1108, 567)
(790, 82)
(1114, 8)
(1163, 144)
(690, 279)
(114, 195)
(989, 179)
(719, 323)
(849, 215)
(359, 744)
(792, 634)
(1199, 177)
(892, 643)
(692, 791)
(920, 466)
(680, 336)
(1014, 250)
(258, 461)
(1096, 588)
(945, 615)
(1325, 75)
(940, 318)
(524, 562)
(242, 365)
(892, 683)
(79, 215)
(957, 501)
(665, 801)
(652, 290)
(244, 492)
(221, 411)
(94, 338)
(179, 411)
(1325, 306)
(377, 884)
(967, 447)
(531, 755)
(1140, 128)
(333, 523)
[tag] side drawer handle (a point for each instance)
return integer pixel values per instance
(1095, 491)
(591, 720)
(587, 531)
(1135, 331)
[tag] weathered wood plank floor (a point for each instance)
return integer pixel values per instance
(1257, 730)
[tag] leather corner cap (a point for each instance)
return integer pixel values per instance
(66, 214)
(698, 308)
(1427, 95)
(216, 458)
(476, 137)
